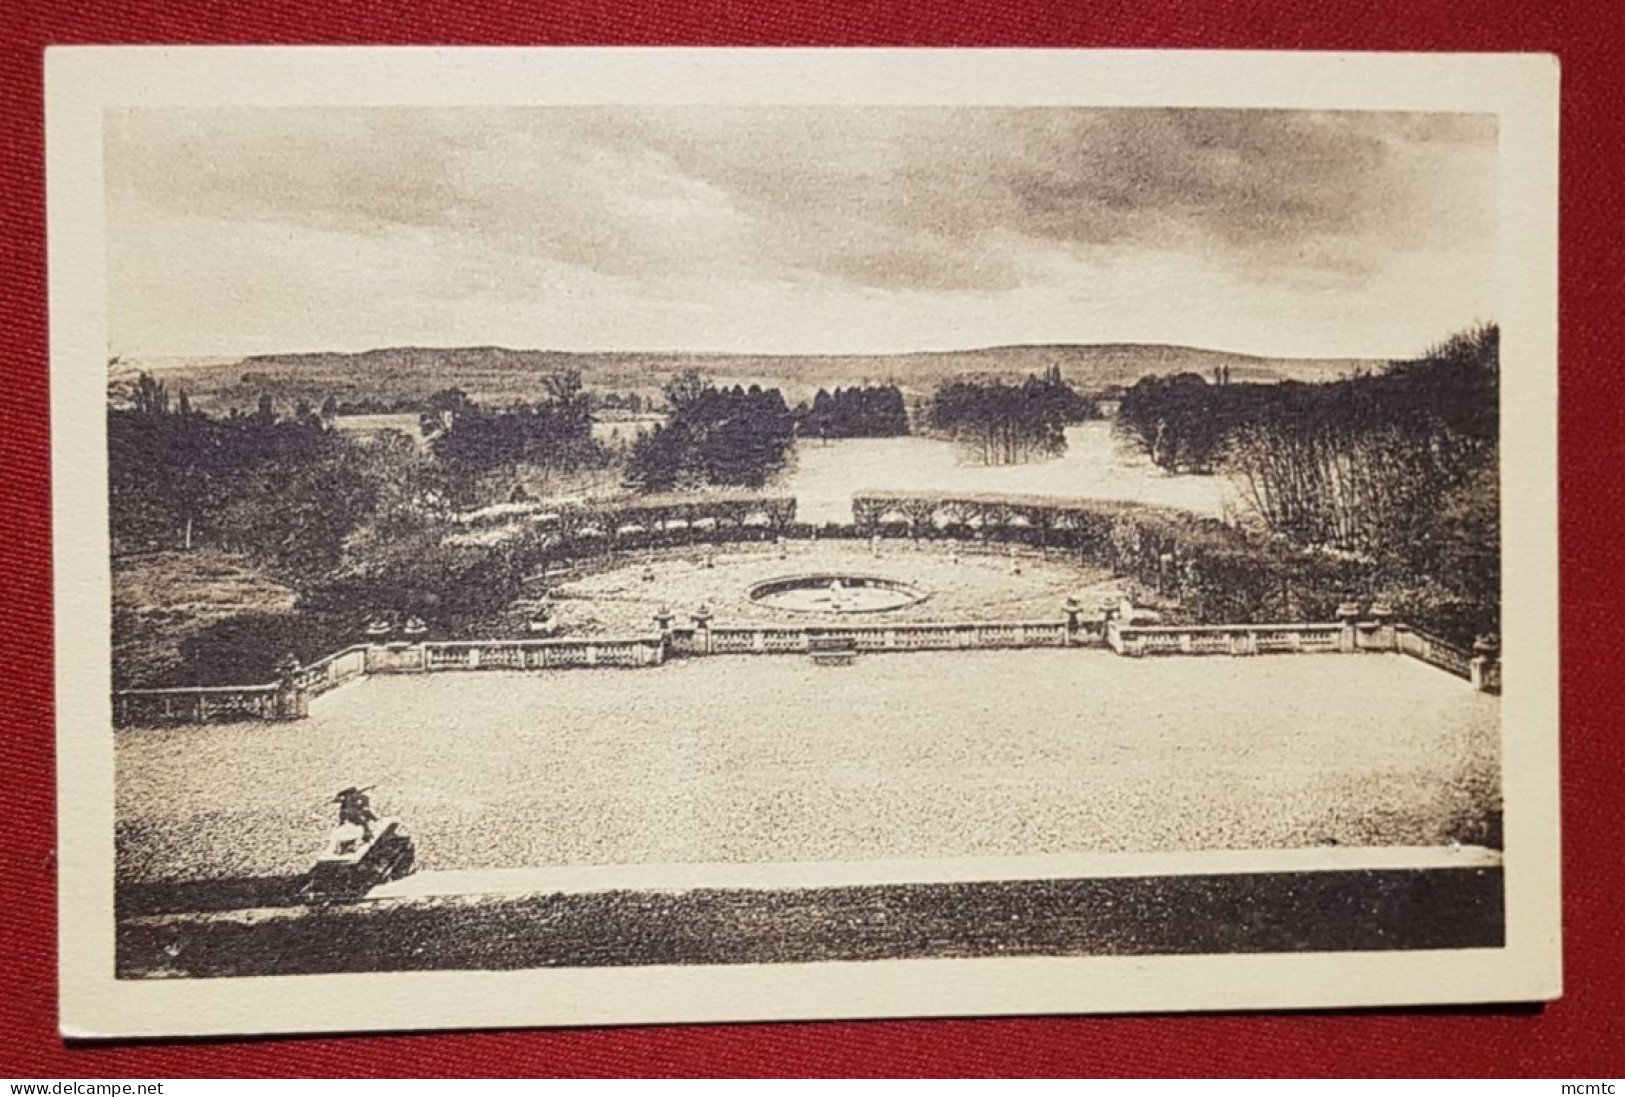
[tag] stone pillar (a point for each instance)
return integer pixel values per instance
(1074, 611)
(1348, 615)
(290, 699)
(1404, 638)
(1381, 635)
(702, 629)
(1486, 656)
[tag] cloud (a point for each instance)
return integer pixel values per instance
(688, 205)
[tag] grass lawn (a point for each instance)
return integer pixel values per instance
(162, 599)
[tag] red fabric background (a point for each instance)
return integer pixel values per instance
(1582, 1035)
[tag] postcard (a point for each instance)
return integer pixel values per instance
(579, 537)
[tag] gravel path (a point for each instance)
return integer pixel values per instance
(770, 758)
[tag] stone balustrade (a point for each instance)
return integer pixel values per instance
(1119, 626)
(914, 636)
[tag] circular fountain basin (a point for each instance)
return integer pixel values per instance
(836, 593)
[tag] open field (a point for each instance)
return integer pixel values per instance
(365, 427)
(771, 758)
(1095, 466)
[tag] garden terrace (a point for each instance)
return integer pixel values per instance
(967, 753)
(962, 583)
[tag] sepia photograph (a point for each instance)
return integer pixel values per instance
(828, 551)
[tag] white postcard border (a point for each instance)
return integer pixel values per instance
(82, 82)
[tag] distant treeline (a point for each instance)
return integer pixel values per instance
(1007, 424)
(735, 437)
(630, 402)
(870, 411)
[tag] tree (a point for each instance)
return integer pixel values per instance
(472, 442)
(1003, 424)
(1396, 469)
(286, 493)
(734, 436)
(686, 388)
(151, 397)
(1179, 422)
(869, 412)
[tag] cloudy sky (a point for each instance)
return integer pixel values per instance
(795, 229)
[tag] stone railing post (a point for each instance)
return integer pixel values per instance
(1381, 634)
(702, 629)
(1348, 639)
(1074, 614)
(290, 699)
(1486, 653)
(1404, 638)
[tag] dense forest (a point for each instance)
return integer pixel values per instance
(283, 490)
(1398, 468)
(472, 444)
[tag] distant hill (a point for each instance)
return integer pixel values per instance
(498, 373)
